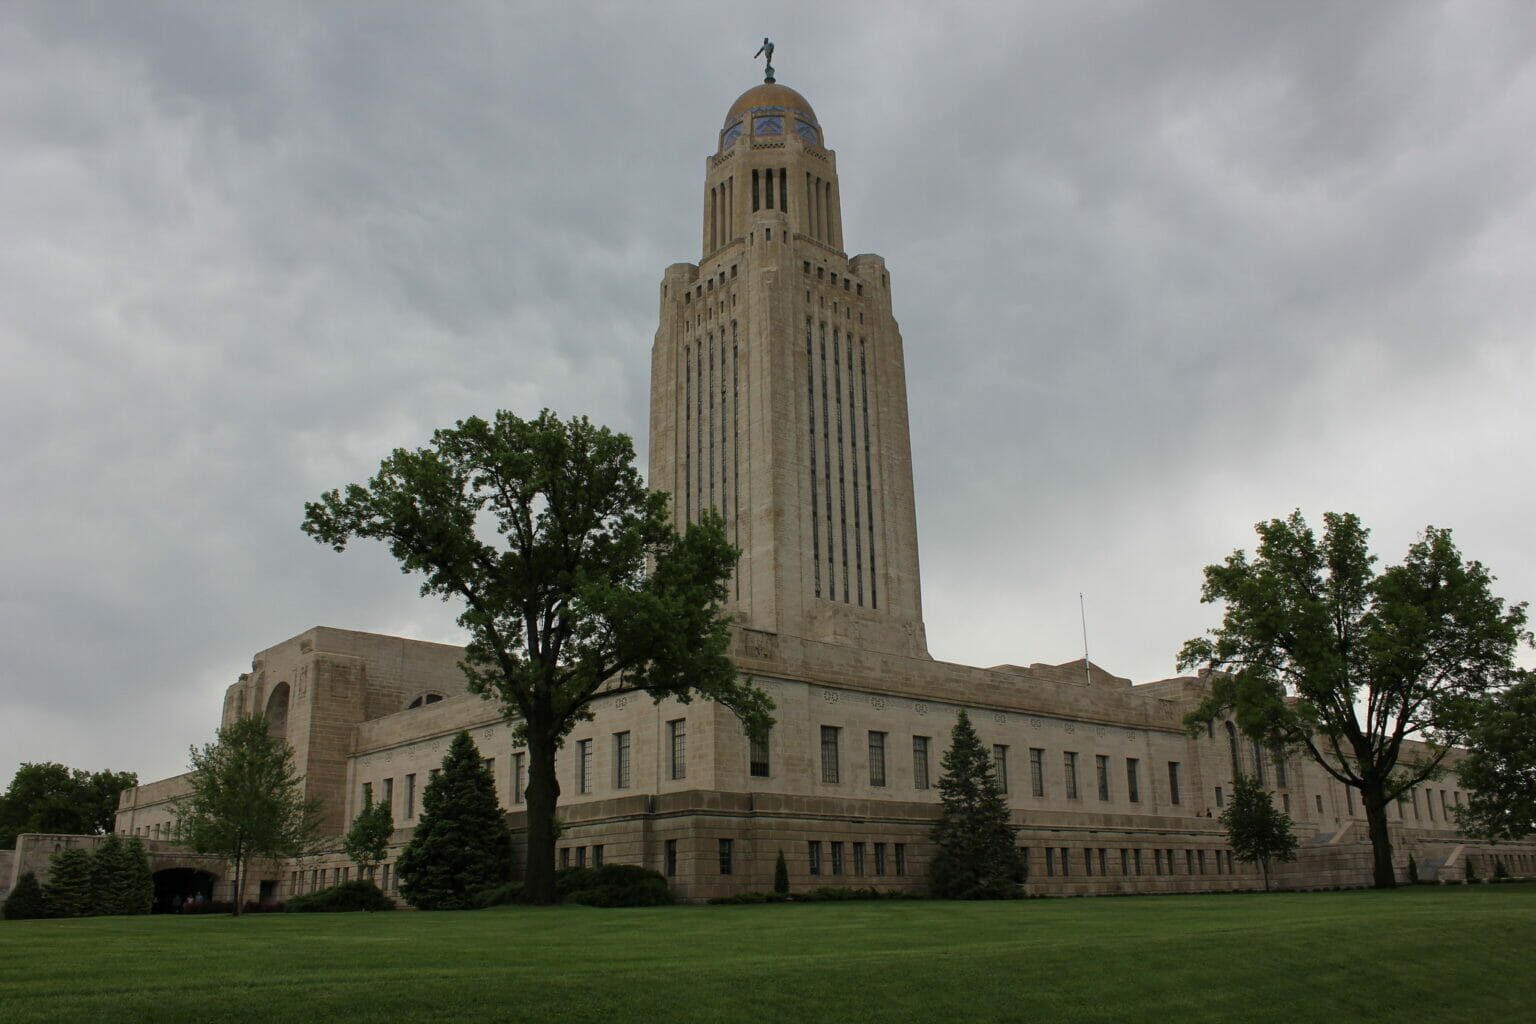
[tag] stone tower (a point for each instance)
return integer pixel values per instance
(778, 392)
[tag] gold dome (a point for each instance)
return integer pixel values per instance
(770, 94)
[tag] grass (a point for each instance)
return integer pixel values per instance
(1422, 954)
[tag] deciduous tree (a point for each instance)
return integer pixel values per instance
(543, 531)
(1320, 653)
(461, 845)
(247, 800)
(368, 838)
(50, 798)
(975, 857)
(1500, 770)
(1257, 831)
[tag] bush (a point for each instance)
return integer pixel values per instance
(1413, 872)
(1471, 871)
(343, 898)
(781, 876)
(26, 901)
(499, 896)
(613, 885)
(207, 907)
(1500, 872)
(71, 888)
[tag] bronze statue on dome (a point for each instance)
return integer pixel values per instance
(766, 50)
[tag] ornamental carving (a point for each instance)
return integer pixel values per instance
(920, 708)
(878, 703)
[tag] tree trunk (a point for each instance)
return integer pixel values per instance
(543, 796)
(1264, 863)
(1381, 840)
(239, 872)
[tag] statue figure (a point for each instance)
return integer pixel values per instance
(766, 50)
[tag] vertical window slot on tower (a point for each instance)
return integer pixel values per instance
(869, 478)
(754, 190)
(842, 486)
(810, 401)
(826, 441)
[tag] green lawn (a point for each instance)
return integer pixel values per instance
(1428, 954)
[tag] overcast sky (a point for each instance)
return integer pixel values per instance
(1163, 270)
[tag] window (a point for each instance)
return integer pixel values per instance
(490, 767)
(757, 757)
(517, 779)
(597, 856)
(1069, 769)
(621, 760)
(1088, 862)
(583, 766)
(1219, 801)
(410, 796)
(367, 794)
(725, 855)
(1157, 855)
(879, 858)
(389, 796)
(919, 762)
(858, 858)
(565, 856)
(581, 856)
(1281, 773)
(1050, 862)
(837, 858)
(1258, 764)
(1136, 860)
(1201, 859)
(829, 772)
(813, 855)
(1233, 750)
(1000, 766)
(1066, 865)
(876, 759)
(1101, 769)
(671, 857)
(1125, 861)
(1173, 782)
(1036, 771)
(901, 858)
(677, 732)
(1319, 798)
(1133, 779)
(384, 876)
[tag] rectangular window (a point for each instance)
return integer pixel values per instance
(1282, 775)
(1125, 861)
(1066, 865)
(583, 766)
(1157, 855)
(1201, 859)
(1000, 766)
(677, 732)
(1050, 862)
(1101, 767)
(901, 858)
(877, 758)
(565, 856)
(410, 796)
(813, 856)
(621, 760)
(757, 757)
(1189, 862)
(671, 857)
(597, 856)
(829, 768)
(1036, 771)
(367, 794)
(879, 858)
(725, 855)
(1173, 782)
(1219, 801)
(1136, 860)
(1088, 862)
(858, 858)
(919, 762)
(1069, 770)
(837, 858)
(384, 876)
(389, 796)
(581, 856)
(1133, 779)
(518, 786)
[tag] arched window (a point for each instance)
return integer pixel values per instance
(277, 711)
(1258, 763)
(424, 699)
(1237, 753)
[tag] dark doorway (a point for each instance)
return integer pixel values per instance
(175, 887)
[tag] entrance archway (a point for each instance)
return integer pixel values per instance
(176, 886)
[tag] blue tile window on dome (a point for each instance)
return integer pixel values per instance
(807, 132)
(768, 126)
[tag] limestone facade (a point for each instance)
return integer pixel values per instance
(779, 399)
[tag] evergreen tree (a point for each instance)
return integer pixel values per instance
(121, 879)
(462, 845)
(71, 889)
(1256, 831)
(975, 856)
(26, 901)
(368, 838)
(781, 875)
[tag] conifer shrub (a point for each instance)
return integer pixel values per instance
(780, 875)
(1413, 872)
(975, 857)
(461, 846)
(613, 885)
(344, 898)
(121, 880)
(71, 889)
(26, 901)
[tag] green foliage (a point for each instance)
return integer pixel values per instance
(120, 877)
(1320, 653)
(563, 602)
(368, 838)
(461, 845)
(613, 885)
(50, 798)
(975, 856)
(1500, 872)
(499, 896)
(780, 875)
(343, 898)
(71, 889)
(1500, 769)
(26, 900)
(246, 800)
(1469, 869)
(1257, 831)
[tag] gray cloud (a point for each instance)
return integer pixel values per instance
(1162, 272)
